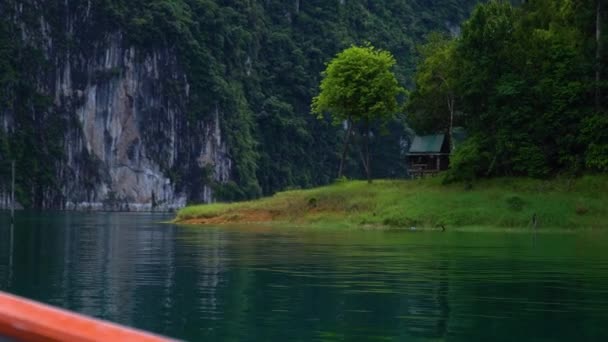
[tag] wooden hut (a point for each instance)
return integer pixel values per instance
(428, 155)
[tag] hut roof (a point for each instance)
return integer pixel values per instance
(427, 143)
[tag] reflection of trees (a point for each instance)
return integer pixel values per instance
(199, 274)
(76, 261)
(211, 268)
(216, 284)
(442, 299)
(424, 311)
(98, 268)
(287, 289)
(5, 251)
(221, 284)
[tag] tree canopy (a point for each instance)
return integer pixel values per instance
(433, 100)
(359, 87)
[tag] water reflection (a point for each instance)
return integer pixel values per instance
(11, 252)
(268, 284)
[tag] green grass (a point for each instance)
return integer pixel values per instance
(499, 203)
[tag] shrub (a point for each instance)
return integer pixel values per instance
(467, 162)
(597, 157)
(581, 210)
(341, 180)
(529, 159)
(515, 203)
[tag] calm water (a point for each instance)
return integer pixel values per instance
(211, 284)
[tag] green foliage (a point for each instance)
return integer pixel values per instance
(228, 192)
(523, 83)
(468, 161)
(359, 85)
(597, 157)
(341, 179)
(35, 136)
(595, 130)
(238, 125)
(429, 104)
(515, 203)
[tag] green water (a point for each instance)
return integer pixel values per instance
(256, 284)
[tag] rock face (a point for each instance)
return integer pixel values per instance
(127, 140)
(134, 132)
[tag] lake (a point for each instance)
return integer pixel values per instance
(261, 284)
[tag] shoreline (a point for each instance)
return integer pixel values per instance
(506, 203)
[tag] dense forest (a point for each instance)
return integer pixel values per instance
(527, 82)
(256, 63)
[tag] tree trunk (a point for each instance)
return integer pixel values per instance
(598, 53)
(362, 156)
(365, 157)
(450, 102)
(451, 109)
(345, 149)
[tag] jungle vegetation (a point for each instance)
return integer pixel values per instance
(528, 84)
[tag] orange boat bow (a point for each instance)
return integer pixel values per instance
(25, 320)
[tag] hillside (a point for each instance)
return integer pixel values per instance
(139, 105)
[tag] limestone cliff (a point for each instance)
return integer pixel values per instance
(124, 127)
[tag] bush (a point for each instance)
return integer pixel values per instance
(341, 180)
(595, 133)
(597, 157)
(515, 203)
(467, 162)
(231, 191)
(530, 160)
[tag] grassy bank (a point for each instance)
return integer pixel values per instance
(501, 203)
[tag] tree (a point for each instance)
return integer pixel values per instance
(434, 79)
(359, 88)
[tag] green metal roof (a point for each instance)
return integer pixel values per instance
(427, 143)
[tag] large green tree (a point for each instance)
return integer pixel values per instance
(359, 88)
(432, 104)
